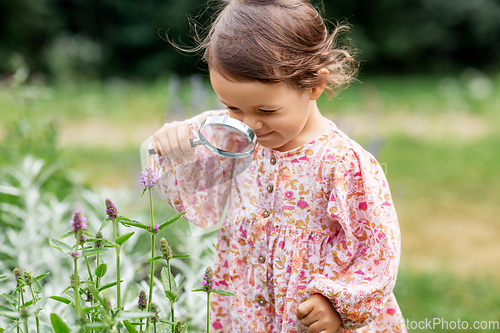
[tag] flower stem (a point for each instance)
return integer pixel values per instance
(25, 325)
(98, 279)
(208, 312)
(118, 283)
(18, 307)
(172, 315)
(88, 266)
(151, 279)
(37, 319)
(76, 289)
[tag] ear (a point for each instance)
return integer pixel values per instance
(317, 91)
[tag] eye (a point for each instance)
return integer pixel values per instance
(267, 111)
(230, 108)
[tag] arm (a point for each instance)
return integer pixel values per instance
(196, 182)
(368, 246)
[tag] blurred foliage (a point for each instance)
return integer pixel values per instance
(90, 38)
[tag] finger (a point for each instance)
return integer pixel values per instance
(316, 327)
(309, 320)
(183, 134)
(303, 309)
(157, 145)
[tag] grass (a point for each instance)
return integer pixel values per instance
(437, 138)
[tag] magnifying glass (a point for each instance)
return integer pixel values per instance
(225, 136)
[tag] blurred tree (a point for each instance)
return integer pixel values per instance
(123, 37)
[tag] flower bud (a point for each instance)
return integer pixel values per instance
(165, 249)
(207, 283)
(72, 279)
(111, 210)
(98, 241)
(18, 276)
(78, 223)
(149, 178)
(143, 302)
(154, 308)
(28, 279)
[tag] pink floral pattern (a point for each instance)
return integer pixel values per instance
(316, 219)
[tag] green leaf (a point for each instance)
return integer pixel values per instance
(184, 327)
(5, 308)
(41, 276)
(130, 327)
(10, 314)
(9, 298)
(101, 270)
(37, 288)
(171, 295)
(3, 277)
(155, 259)
(168, 280)
(125, 315)
(30, 302)
(86, 253)
(99, 324)
(67, 234)
(58, 324)
(223, 292)
(171, 220)
(104, 224)
(12, 326)
(109, 285)
(19, 288)
(199, 289)
(64, 248)
(143, 192)
(90, 308)
(180, 256)
(98, 297)
(61, 299)
(131, 223)
(123, 238)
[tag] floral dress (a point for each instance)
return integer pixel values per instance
(315, 219)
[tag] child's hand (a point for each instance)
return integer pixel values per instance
(319, 315)
(172, 140)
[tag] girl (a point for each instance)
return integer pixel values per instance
(311, 240)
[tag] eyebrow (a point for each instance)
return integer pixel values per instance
(255, 107)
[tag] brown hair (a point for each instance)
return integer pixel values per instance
(274, 41)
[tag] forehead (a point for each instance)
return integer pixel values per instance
(250, 93)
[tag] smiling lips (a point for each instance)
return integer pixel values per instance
(264, 135)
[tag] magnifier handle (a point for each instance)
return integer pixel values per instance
(194, 143)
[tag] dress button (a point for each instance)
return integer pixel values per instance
(273, 160)
(262, 259)
(270, 188)
(266, 213)
(261, 301)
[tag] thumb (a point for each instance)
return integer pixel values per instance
(304, 308)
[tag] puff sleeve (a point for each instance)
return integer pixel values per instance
(368, 245)
(198, 183)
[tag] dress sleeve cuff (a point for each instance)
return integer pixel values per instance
(354, 312)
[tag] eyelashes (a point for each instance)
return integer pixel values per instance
(260, 110)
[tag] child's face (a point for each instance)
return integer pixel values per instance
(277, 113)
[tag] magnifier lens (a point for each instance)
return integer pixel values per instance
(226, 138)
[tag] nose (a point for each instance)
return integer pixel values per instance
(253, 122)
